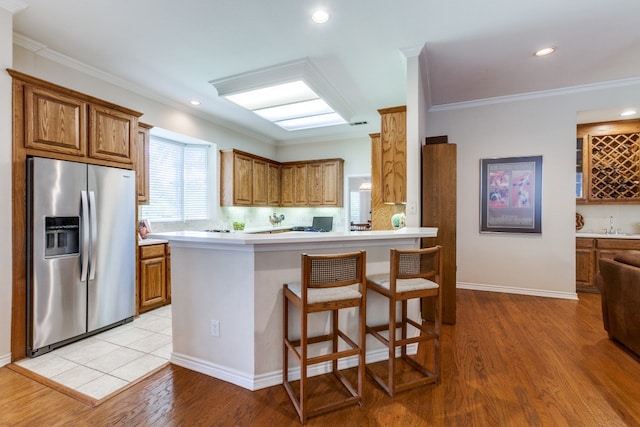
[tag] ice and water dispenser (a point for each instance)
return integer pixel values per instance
(62, 236)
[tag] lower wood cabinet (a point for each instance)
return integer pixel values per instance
(585, 265)
(588, 255)
(154, 276)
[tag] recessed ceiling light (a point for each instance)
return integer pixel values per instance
(628, 113)
(194, 102)
(546, 51)
(320, 17)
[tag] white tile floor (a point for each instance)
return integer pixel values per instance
(102, 364)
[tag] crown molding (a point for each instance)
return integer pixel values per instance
(43, 51)
(538, 94)
(13, 6)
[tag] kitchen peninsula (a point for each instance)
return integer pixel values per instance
(227, 295)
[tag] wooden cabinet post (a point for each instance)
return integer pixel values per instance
(142, 163)
(439, 209)
(393, 139)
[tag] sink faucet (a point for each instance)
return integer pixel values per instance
(612, 229)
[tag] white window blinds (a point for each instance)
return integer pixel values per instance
(178, 182)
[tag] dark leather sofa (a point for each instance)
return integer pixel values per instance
(619, 284)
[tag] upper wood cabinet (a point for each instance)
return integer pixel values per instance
(393, 140)
(244, 179)
(610, 162)
(333, 181)
(54, 122)
(142, 163)
(287, 185)
(249, 180)
(260, 181)
(112, 134)
(312, 183)
(61, 123)
(300, 184)
(274, 178)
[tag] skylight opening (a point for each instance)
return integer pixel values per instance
(293, 95)
(292, 106)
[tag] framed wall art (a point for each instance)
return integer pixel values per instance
(510, 195)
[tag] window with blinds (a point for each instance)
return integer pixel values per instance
(178, 182)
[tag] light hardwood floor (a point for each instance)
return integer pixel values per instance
(510, 360)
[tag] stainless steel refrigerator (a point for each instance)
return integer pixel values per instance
(80, 251)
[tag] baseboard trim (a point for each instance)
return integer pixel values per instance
(519, 291)
(5, 360)
(257, 382)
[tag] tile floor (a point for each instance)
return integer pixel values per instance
(102, 364)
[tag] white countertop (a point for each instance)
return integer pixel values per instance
(247, 238)
(592, 235)
(149, 241)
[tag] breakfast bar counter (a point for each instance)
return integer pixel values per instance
(227, 295)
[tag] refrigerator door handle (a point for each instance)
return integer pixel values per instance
(94, 234)
(85, 235)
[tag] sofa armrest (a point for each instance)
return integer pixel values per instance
(628, 257)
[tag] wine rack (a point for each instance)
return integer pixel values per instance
(615, 167)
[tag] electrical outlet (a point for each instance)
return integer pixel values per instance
(411, 207)
(215, 328)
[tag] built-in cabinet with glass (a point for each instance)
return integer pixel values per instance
(608, 162)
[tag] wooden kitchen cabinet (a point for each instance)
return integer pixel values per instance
(588, 254)
(260, 182)
(244, 179)
(585, 265)
(154, 276)
(294, 184)
(249, 180)
(300, 184)
(287, 185)
(393, 139)
(54, 121)
(274, 184)
(312, 183)
(332, 183)
(68, 125)
(112, 134)
(142, 163)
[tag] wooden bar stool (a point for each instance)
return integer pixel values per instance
(414, 273)
(328, 283)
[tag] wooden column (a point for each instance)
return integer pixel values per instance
(439, 210)
(381, 213)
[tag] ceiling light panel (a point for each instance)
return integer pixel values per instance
(311, 122)
(281, 94)
(299, 109)
(293, 95)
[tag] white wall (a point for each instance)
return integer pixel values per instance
(356, 153)
(6, 30)
(537, 125)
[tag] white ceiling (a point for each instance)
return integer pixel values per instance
(474, 50)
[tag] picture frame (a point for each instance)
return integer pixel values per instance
(511, 195)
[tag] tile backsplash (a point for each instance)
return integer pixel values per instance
(626, 218)
(256, 218)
